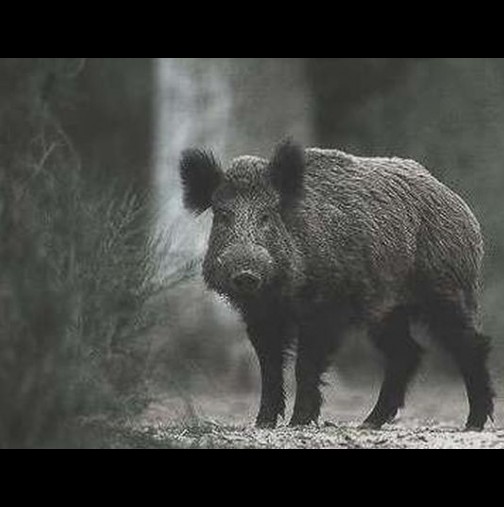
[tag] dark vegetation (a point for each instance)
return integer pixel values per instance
(80, 277)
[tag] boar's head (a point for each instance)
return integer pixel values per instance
(251, 251)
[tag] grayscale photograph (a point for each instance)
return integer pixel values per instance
(251, 253)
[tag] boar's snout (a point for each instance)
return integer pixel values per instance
(246, 282)
(248, 268)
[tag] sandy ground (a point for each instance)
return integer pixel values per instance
(209, 435)
(433, 419)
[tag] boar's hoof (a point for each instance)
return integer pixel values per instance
(296, 422)
(370, 426)
(265, 425)
(471, 428)
(266, 421)
(476, 422)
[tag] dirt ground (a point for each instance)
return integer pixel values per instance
(433, 419)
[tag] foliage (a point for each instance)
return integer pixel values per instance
(80, 287)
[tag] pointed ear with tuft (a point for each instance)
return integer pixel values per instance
(287, 170)
(201, 174)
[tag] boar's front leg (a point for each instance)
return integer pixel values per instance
(270, 339)
(319, 338)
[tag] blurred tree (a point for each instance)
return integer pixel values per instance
(104, 106)
(108, 114)
(340, 85)
(78, 267)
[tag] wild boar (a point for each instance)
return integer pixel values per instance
(313, 242)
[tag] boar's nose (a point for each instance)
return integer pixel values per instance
(246, 282)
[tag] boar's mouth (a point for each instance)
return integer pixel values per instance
(243, 270)
(246, 282)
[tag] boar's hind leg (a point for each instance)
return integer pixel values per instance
(453, 325)
(402, 357)
(317, 340)
(270, 343)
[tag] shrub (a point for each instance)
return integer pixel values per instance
(80, 287)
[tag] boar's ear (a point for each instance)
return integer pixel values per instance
(201, 175)
(287, 170)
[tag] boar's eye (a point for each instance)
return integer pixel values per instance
(265, 218)
(222, 216)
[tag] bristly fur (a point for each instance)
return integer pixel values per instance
(287, 170)
(329, 240)
(201, 174)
